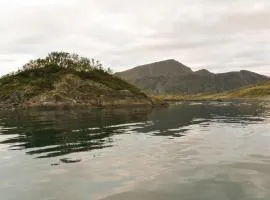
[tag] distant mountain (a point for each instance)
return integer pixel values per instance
(171, 76)
(167, 68)
(203, 72)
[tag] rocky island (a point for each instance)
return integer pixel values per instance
(67, 80)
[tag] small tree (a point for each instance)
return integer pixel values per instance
(109, 71)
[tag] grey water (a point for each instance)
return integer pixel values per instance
(188, 151)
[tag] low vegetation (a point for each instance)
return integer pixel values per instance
(258, 91)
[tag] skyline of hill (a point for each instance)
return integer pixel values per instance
(171, 76)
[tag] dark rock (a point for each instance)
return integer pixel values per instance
(69, 160)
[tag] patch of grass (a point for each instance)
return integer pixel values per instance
(258, 91)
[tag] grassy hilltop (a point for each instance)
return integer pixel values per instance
(63, 79)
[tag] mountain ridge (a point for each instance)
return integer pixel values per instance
(171, 76)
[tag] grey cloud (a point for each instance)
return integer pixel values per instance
(215, 34)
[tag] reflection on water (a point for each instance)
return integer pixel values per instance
(56, 133)
(60, 132)
(163, 153)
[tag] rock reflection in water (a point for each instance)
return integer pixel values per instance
(57, 133)
(51, 133)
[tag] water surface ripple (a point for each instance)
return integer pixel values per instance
(187, 151)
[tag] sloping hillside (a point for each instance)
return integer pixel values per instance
(172, 77)
(62, 79)
(259, 91)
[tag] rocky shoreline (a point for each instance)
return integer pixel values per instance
(52, 100)
(99, 102)
(61, 105)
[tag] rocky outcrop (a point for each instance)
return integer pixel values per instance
(62, 79)
(72, 91)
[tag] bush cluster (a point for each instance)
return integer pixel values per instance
(67, 61)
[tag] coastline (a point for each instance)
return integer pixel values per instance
(149, 103)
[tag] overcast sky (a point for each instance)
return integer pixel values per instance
(220, 35)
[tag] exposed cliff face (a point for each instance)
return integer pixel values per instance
(66, 88)
(172, 77)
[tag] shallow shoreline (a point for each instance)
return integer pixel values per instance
(63, 106)
(173, 100)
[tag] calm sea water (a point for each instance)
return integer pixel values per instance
(189, 151)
